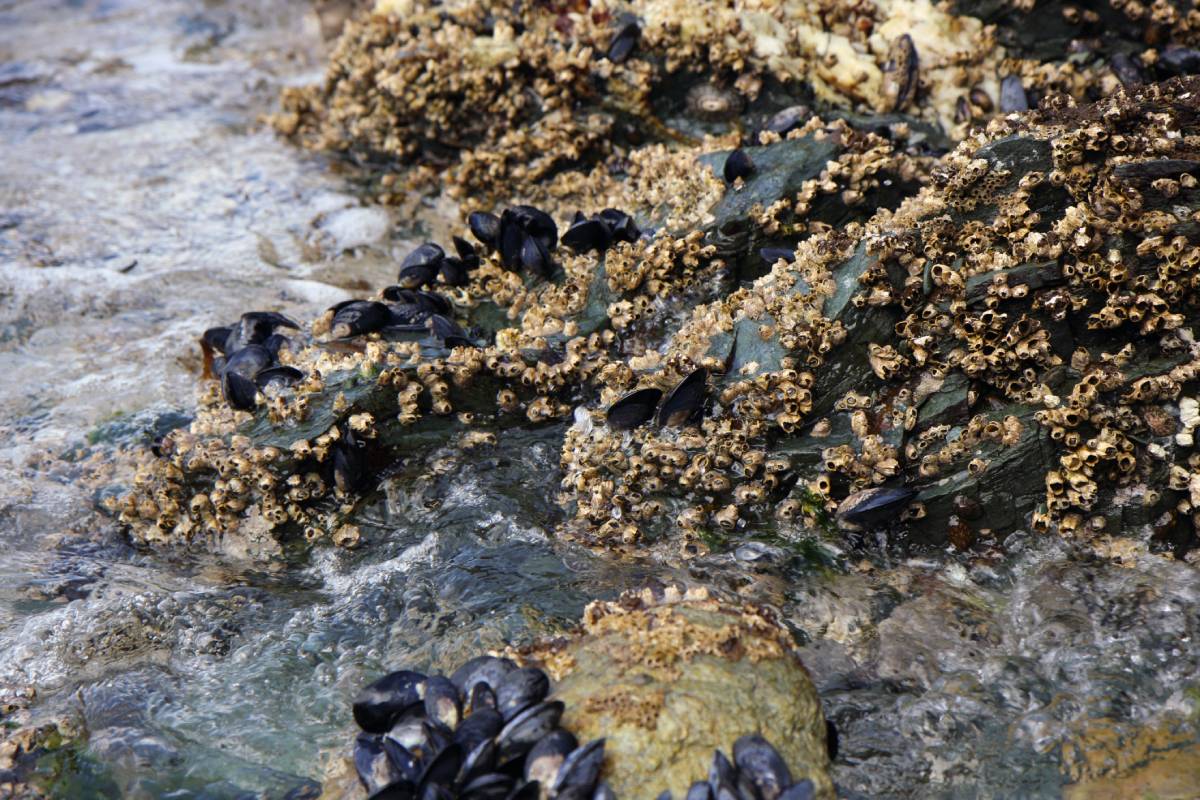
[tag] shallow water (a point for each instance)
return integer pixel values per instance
(142, 202)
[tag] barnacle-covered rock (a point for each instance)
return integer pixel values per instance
(668, 675)
(997, 345)
(522, 341)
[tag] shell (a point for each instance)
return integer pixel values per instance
(634, 409)
(686, 400)
(712, 103)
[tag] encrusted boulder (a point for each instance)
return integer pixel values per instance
(666, 676)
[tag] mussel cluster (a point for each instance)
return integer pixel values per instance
(485, 732)
(488, 732)
(683, 405)
(757, 772)
(600, 231)
(524, 236)
(249, 356)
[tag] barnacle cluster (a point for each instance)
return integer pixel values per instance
(489, 97)
(266, 455)
(1031, 307)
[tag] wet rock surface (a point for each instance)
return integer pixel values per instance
(1004, 329)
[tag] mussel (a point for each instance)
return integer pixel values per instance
(1012, 95)
(901, 72)
(737, 165)
(875, 506)
(634, 409)
(418, 744)
(625, 39)
(686, 401)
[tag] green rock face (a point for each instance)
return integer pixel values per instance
(667, 680)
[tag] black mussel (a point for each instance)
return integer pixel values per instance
(432, 301)
(240, 392)
(529, 790)
(254, 327)
(831, 739)
(237, 376)
(666, 795)
(801, 790)
(587, 235)
(1178, 61)
(788, 120)
(737, 165)
(215, 338)
(720, 772)
(275, 343)
(620, 225)
(408, 318)
(437, 736)
(433, 791)
(454, 272)
(485, 228)
(442, 703)
(536, 258)
(480, 761)
(448, 331)
(420, 275)
(421, 266)
(482, 696)
(1012, 95)
(770, 255)
(278, 376)
(726, 792)
(700, 790)
(538, 224)
(980, 99)
(480, 724)
(409, 302)
(544, 760)
(248, 362)
(427, 255)
(901, 73)
(443, 768)
(580, 771)
(359, 317)
(686, 400)
(492, 786)
(520, 689)
(409, 730)
(510, 242)
(604, 792)
(625, 39)
(874, 506)
(757, 760)
(962, 110)
(525, 729)
(375, 769)
(407, 765)
(400, 790)
(382, 701)
(399, 294)
(634, 409)
(349, 462)
(466, 252)
(1128, 71)
(482, 669)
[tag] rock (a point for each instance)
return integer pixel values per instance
(668, 676)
